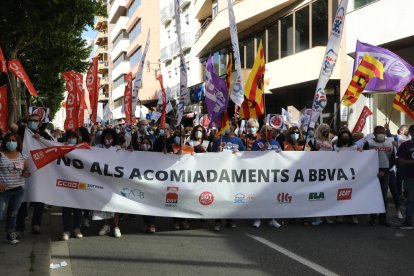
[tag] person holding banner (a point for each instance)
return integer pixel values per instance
(252, 126)
(13, 169)
(149, 221)
(386, 157)
(198, 139)
(345, 143)
(264, 143)
(71, 217)
(109, 140)
(294, 140)
(163, 134)
(35, 125)
(406, 160)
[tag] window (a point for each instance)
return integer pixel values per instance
(320, 23)
(119, 37)
(214, 5)
(273, 42)
(242, 58)
(120, 59)
(261, 37)
(119, 81)
(119, 102)
(286, 36)
(302, 29)
(135, 32)
(134, 7)
(360, 3)
(136, 57)
(250, 53)
(216, 62)
(222, 63)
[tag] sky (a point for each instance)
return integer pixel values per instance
(89, 34)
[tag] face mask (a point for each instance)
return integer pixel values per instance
(177, 140)
(311, 133)
(162, 132)
(269, 136)
(294, 136)
(33, 125)
(151, 132)
(345, 140)
(143, 128)
(198, 134)
(252, 130)
(380, 137)
(11, 145)
(72, 141)
(117, 130)
(227, 131)
(99, 133)
(108, 142)
(145, 147)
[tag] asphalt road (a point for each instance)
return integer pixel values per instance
(294, 249)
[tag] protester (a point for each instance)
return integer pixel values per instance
(149, 221)
(252, 127)
(198, 139)
(402, 136)
(345, 143)
(163, 134)
(72, 217)
(406, 160)
(294, 140)
(35, 126)
(386, 157)
(13, 169)
(110, 141)
(265, 143)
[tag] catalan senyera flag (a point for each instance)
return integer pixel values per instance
(253, 105)
(369, 68)
(403, 100)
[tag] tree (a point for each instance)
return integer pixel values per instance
(46, 37)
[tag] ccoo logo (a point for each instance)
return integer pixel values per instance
(284, 198)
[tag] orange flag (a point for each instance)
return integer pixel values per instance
(16, 67)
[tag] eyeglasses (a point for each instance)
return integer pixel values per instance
(297, 132)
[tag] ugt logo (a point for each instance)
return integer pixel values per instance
(316, 196)
(284, 198)
(344, 194)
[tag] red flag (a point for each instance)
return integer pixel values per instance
(92, 83)
(128, 99)
(3, 108)
(17, 69)
(164, 102)
(72, 103)
(81, 98)
(42, 157)
(3, 63)
(362, 119)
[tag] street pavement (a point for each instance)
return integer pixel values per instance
(342, 249)
(294, 249)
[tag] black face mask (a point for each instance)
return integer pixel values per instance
(345, 140)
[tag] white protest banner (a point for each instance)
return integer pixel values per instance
(211, 185)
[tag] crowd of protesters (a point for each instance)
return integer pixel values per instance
(395, 152)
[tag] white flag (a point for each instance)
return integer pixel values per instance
(237, 94)
(138, 79)
(183, 67)
(329, 61)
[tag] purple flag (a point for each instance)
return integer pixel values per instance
(217, 97)
(397, 72)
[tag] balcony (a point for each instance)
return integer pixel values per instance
(101, 38)
(165, 54)
(203, 27)
(167, 14)
(102, 50)
(103, 97)
(101, 23)
(118, 8)
(103, 66)
(184, 3)
(187, 40)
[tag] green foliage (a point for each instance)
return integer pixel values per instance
(45, 35)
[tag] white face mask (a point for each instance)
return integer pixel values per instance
(198, 134)
(145, 147)
(177, 140)
(108, 142)
(380, 137)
